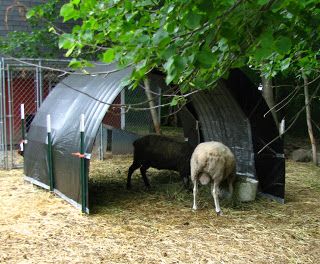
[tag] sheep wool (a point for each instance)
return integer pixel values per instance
(212, 162)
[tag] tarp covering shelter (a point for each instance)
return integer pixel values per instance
(75, 95)
(232, 113)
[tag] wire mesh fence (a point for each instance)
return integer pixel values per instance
(121, 126)
(29, 82)
(25, 82)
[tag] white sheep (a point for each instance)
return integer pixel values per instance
(212, 162)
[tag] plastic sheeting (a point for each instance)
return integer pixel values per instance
(269, 162)
(221, 119)
(234, 113)
(75, 95)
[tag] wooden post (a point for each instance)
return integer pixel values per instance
(308, 117)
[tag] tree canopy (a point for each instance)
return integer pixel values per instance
(195, 42)
(37, 41)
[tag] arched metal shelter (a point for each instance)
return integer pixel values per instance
(75, 95)
(232, 113)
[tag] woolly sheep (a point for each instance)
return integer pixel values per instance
(160, 152)
(212, 162)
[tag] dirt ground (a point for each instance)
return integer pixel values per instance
(157, 226)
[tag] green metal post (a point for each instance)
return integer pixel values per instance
(23, 133)
(82, 167)
(50, 168)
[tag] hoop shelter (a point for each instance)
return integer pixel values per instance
(75, 95)
(235, 113)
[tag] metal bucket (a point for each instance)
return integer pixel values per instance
(246, 189)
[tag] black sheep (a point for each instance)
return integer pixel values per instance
(160, 152)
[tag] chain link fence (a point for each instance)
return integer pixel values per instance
(29, 82)
(25, 82)
(121, 126)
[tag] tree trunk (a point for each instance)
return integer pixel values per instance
(153, 111)
(268, 95)
(308, 117)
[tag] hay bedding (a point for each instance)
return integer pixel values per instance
(157, 226)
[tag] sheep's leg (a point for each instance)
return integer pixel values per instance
(143, 171)
(132, 168)
(184, 174)
(195, 191)
(186, 181)
(230, 182)
(215, 194)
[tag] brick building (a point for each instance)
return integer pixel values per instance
(13, 15)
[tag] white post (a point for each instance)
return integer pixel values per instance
(48, 124)
(22, 111)
(82, 123)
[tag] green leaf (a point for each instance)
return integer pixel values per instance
(170, 69)
(262, 2)
(144, 3)
(87, 36)
(161, 37)
(168, 52)
(266, 39)
(68, 12)
(285, 64)
(174, 101)
(206, 58)
(283, 45)
(180, 63)
(169, 64)
(240, 62)
(70, 50)
(174, 66)
(178, 100)
(170, 27)
(75, 64)
(66, 41)
(192, 20)
(108, 56)
(265, 46)
(52, 30)
(262, 53)
(223, 44)
(30, 13)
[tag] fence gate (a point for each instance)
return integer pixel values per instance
(25, 82)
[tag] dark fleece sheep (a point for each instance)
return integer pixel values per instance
(160, 152)
(212, 162)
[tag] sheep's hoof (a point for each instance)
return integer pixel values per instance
(194, 208)
(219, 213)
